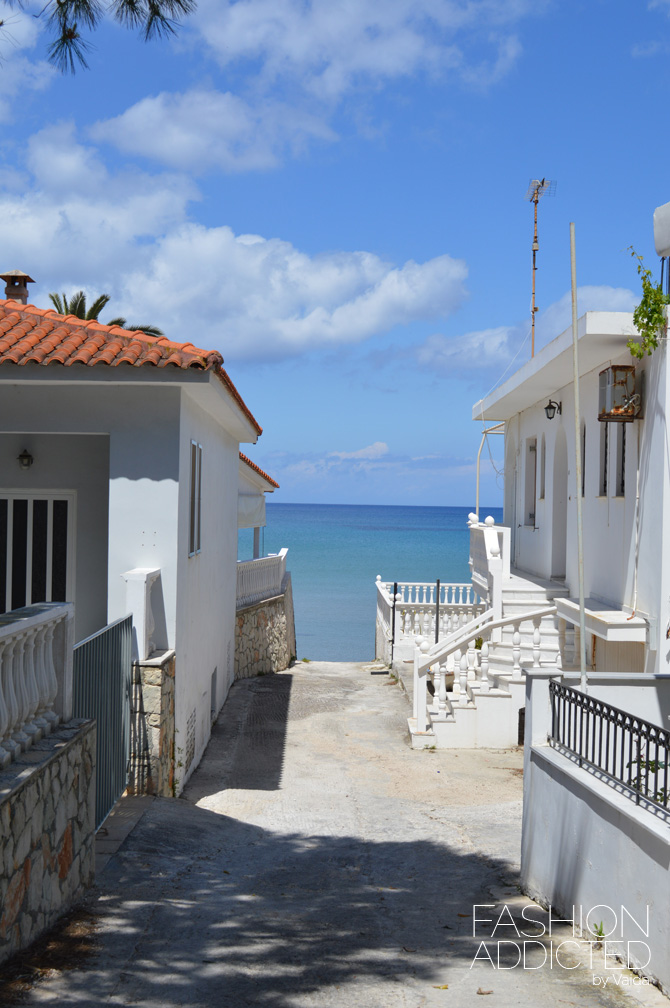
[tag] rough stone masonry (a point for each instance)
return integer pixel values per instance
(47, 821)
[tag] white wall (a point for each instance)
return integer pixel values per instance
(207, 581)
(584, 845)
(139, 450)
(609, 521)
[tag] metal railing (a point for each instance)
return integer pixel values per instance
(626, 749)
(101, 688)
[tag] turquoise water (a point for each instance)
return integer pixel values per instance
(335, 551)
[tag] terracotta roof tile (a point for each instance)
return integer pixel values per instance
(30, 335)
(257, 469)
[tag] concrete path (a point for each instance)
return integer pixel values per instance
(315, 860)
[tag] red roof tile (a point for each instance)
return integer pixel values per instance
(257, 469)
(30, 335)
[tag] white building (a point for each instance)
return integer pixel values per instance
(596, 779)
(119, 491)
(497, 661)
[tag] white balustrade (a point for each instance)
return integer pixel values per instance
(260, 579)
(421, 613)
(35, 674)
(468, 648)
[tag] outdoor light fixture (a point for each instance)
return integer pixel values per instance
(25, 459)
(551, 407)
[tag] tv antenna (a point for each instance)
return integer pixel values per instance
(536, 189)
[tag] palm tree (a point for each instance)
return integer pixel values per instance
(153, 19)
(76, 305)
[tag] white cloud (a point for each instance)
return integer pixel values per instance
(252, 294)
(203, 129)
(294, 62)
(326, 476)
(373, 451)
(72, 224)
(329, 45)
(558, 316)
(496, 350)
(19, 75)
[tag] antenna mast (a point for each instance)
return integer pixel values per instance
(536, 189)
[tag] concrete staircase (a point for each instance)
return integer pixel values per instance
(494, 718)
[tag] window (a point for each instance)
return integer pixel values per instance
(36, 548)
(531, 480)
(604, 451)
(195, 499)
(543, 466)
(621, 460)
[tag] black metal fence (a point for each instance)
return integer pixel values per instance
(629, 751)
(101, 690)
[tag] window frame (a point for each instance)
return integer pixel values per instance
(195, 499)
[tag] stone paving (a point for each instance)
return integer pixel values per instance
(316, 860)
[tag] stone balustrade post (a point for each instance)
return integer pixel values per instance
(516, 653)
(463, 681)
(484, 683)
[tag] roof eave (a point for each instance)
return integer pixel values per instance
(602, 337)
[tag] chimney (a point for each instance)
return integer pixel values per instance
(16, 288)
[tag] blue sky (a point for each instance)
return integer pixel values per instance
(331, 193)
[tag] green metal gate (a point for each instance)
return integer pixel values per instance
(101, 690)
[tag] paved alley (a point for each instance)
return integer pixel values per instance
(316, 860)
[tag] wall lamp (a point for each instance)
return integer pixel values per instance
(25, 459)
(551, 408)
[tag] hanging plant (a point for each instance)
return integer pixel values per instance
(650, 315)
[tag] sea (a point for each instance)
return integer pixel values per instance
(335, 552)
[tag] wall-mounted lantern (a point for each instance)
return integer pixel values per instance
(552, 408)
(25, 459)
(619, 398)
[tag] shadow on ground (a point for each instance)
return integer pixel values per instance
(238, 915)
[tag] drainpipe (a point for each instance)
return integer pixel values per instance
(583, 681)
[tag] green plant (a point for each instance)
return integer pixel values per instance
(305, 660)
(649, 316)
(598, 932)
(640, 782)
(479, 643)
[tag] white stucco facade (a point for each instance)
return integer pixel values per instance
(119, 441)
(589, 839)
(624, 540)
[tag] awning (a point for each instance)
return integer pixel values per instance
(250, 510)
(603, 620)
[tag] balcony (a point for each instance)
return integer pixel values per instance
(35, 674)
(258, 580)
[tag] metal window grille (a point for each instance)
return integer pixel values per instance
(36, 548)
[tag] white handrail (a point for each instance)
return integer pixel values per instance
(443, 649)
(260, 579)
(423, 659)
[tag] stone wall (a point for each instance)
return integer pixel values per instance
(47, 821)
(265, 635)
(152, 749)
